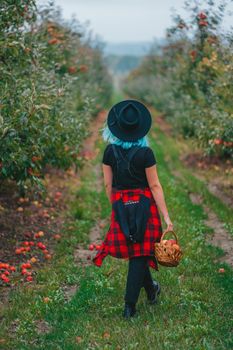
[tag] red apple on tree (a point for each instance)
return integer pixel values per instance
(202, 15)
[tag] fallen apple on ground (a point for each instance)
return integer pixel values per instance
(21, 200)
(26, 266)
(18, 251)
(221, 270)
(41, 245)
(5, 278)
(48, 256)
(40, 234)
(4, 266)
(19, 209)
(25, 249)
(29, 279)
(58, 194)
(46, 300)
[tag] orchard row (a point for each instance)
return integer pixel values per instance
(189, 79)
(53, 80)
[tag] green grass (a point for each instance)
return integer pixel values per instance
(195, 309)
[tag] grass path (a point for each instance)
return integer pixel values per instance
(195, 309)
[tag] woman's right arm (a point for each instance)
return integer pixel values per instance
(157, 191)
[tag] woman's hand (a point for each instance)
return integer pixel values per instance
(169, 223)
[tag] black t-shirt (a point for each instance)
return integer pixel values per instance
(144, 158)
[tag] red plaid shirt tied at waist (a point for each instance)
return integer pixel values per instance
(115, 243)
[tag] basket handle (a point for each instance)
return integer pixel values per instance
(166, 231)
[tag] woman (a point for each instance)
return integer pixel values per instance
(132, 184)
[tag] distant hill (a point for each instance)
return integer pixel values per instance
(121, 58)
(131, 48)
(122, 64)
(127, 48)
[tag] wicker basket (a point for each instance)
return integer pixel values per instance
(167, 254)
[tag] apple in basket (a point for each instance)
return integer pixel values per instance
(176, 247)
(168, 241)
(171, 241)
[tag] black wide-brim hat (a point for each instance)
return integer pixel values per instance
(129, 120)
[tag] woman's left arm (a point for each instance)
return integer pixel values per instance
(107, 170)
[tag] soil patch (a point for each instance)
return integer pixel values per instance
(220, 191)
(216, 172)
(42, 327)
(95, 233)
(69, 291)
(201, 161)
(220, 237)
(216, 186)
(82, 255)
(163, 124)
(89, 151)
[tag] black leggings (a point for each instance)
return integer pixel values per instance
(138, 276)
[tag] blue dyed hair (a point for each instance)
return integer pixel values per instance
(109, 137)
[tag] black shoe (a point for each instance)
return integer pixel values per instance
(153, 295)
(129, 310)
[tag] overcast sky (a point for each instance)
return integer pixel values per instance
(125, 20)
